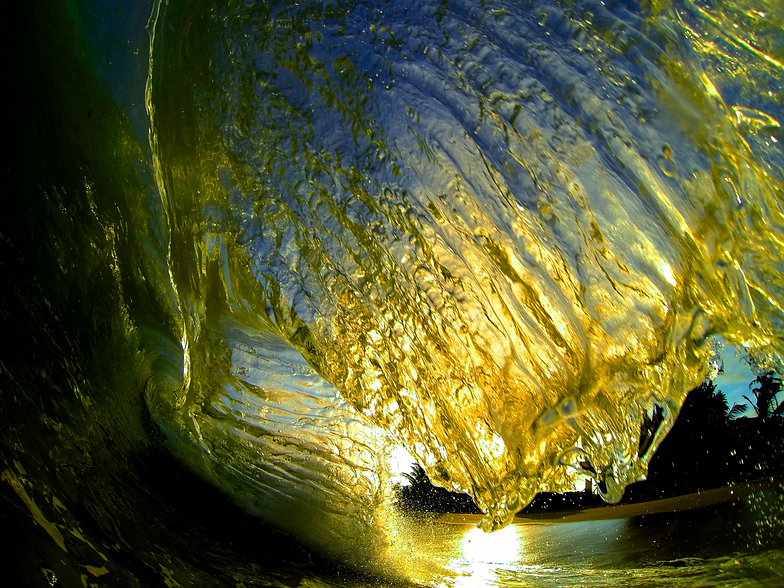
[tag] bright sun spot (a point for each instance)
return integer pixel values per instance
(484, 553)
(400, 462)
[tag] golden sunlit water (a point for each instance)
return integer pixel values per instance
(263, 255)
(504, 236)
(646, 551)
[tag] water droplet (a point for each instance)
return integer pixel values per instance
(546, 210)
(667, 166)
(49, 576)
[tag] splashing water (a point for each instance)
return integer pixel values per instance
(501, 234)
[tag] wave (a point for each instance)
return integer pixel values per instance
(501, 234)
(292, 237)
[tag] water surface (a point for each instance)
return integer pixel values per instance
(253, 248)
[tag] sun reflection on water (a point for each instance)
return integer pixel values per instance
(482, 554)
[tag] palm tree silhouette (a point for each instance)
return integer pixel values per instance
(706, 408)
(765, 389)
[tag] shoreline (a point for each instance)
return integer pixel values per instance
(623, 511)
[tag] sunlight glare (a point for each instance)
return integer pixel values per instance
(482, 554)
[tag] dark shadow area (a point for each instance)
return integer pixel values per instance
(708, 448)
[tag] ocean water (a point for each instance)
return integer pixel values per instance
(253, 248)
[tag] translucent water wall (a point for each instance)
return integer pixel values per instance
(498, 233)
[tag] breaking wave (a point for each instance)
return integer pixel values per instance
(500, 234)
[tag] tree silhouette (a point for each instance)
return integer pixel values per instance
(421, 495)
(694, 455)
(706, 408)
(736, 411)
(765, 389)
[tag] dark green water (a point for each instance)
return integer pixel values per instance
(244, 262)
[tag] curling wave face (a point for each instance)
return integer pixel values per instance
(501, 234)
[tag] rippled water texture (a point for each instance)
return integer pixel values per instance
(254, 247)
(502, 233)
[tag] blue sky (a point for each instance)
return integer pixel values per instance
(734, 382)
